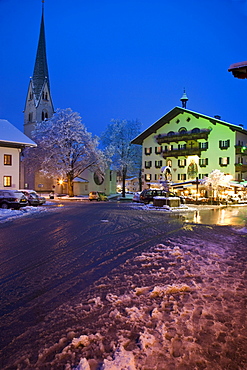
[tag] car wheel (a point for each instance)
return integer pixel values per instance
(4, 206)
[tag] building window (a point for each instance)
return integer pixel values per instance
(203, 162)
(7, 181)
(148, 177)
(188, 119)
(182, 130)
(195, 130)
(203, 145)
(7, 160)
(181, 162)
(148, 164)
(169, 163)
(148, 151)
(168, 148)
(30, 95)
(224, 144)
(158, 164)
(224, 161)
(44, 115)
(182, 176)
(171, 133)
(181, 146)
(158, 149)
(30, 117)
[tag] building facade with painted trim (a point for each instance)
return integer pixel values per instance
(192, 145)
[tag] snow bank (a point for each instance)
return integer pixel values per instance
(11, 214)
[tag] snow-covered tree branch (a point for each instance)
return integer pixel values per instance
(126, 157)
(65, 148)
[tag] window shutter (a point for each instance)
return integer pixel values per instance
(220, 160)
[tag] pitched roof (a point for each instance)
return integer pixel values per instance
(11, 136)
(173, 113)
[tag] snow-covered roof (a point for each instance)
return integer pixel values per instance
(173, 113)
(10, 135)
(79, 179)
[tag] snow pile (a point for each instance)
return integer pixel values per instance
(178, 305)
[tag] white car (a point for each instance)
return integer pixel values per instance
(34, 199)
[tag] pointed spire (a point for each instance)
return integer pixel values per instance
(184, 99)
(40, 72)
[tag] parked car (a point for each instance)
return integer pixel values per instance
(136, 197)
(148, 195)
(34, 199)
(12, 199)
(97, 195)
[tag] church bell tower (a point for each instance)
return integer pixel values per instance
(38, 106)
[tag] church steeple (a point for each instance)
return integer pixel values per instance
(40, 72)
(39, 104)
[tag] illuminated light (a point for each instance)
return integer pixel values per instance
(60, 182)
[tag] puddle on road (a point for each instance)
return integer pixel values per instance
(236, 216)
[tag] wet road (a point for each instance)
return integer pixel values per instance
(48, 259)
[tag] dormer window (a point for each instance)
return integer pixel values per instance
(195, 130)
(182, 130)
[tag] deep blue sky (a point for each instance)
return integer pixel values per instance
(126, 59)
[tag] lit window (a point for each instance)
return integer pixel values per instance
(7, 160)
(224, 161)
(7, 180)
(181, 162)
(148, 176)
(158, 149)
(182, 176)
(148, 151)
(203, 162)
(169, 163)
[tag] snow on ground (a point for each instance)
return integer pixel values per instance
(11, 214)
(180, 305)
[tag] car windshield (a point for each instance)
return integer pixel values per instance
(18, 194)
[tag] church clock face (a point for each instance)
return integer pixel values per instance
(99, 178)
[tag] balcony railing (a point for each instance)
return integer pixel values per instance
(239, 167)
(182, 152)
(241, 149)
(182, 136)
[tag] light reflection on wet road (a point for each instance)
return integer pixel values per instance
(236, 216)
(48, 259)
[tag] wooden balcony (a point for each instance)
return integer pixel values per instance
(182, 152)
(241, 149)
(182, 136)
(239, 167)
